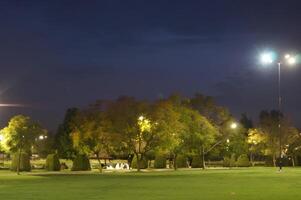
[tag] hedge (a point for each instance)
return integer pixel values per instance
(81, 163)
(53, 163)
(229, 162)
(143, 163)
(243, 161)
(196, 162)
(181, 161)
(160, 161)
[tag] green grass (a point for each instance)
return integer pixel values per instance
(242, 184)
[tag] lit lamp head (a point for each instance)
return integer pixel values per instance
(141, 118)
(291, 60)
(266, 58)
(233, 125)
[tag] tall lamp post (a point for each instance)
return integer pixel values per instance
(268, 58)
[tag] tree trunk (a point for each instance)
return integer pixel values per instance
(175, 162)
(274, 160)
(99, 162)
(203, 157)
(19, 161)
(293, 161)
(252, 159)
(138, 162)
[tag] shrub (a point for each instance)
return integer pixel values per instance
(160, 161)
(53, 163)
(196, 162)
(81, 163)
(229, 162)
(226, 162)
(143, 163)
(181, 161)
(24, 162)
(243, 161)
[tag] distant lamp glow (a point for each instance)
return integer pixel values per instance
(228, 141)
(233, 125)
(266, 58)
(141, 118)
(291, 60)
(41, 137)
(287, 56)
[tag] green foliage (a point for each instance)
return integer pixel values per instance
(24, 162)
(81, 163)
(143, 163)
(243, 161)
(229, 162)
(53, 163)
(207, 107)
(196, 162)
(21, 133)
(63, 142)
(160, 161)
(181, 161)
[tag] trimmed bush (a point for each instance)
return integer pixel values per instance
(181, 161)
(24, 162)
(229, 162)
(243, 161)
(53, 163)
(226, 162)
(196, 162)
(81, 163)
(143, 163)
(160, 161)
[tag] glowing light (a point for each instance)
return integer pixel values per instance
(11, 105)
(233, 125)
(287, 56)
(291, 61)
(144, 124)
(41, 137)
(266, 58)
(228, 141)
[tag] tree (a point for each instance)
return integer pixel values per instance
(256, 140)
(90, 133)
(276, 139)
(207, 107)
(217, 115)
(293, 150)
(167, 114)
(123, 115)
(21, 133)
(63, 142)
(246, 122)
(199, 135)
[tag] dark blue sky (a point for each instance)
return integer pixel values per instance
(59, 54)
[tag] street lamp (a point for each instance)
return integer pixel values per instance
(233, 125)
(268, 58)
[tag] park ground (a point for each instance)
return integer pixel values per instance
(243, 184)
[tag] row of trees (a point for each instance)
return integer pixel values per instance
(127, 127)
(174, 127)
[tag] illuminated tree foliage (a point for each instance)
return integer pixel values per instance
(21, 134)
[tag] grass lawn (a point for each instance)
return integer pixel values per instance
(243, 184)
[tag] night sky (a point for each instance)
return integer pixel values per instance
(60, 54)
